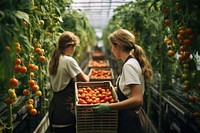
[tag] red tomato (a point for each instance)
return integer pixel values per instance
(14, 82)
(102, 101)
(89, 101)
(88, 89)
(23, 69)
(26, 92)
(106, 99)
(35, 87)
(80, 91)
(30, 101)
(33, 112)
(17, 61)
(9, 100)
(31, 82)
(81, 101)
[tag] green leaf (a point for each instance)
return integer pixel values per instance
(22, 15)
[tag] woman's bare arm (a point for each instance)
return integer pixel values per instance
(82, 77)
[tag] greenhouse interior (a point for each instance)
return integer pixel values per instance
(168, 31)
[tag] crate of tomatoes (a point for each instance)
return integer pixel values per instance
(101, 74)
(89, 94)
(98, 63)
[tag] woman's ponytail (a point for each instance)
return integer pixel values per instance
(53, 65)
(140, 55)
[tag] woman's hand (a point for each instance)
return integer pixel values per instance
(101, 108)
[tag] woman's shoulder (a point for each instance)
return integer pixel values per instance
(67, 58)
(131, 61)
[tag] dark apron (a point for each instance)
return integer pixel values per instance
(128, 120)
(61, 110)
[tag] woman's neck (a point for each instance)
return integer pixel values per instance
(124, 56)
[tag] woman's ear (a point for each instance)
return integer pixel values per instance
(118, 47)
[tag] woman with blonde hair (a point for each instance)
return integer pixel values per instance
(131, 82)
(63, 72)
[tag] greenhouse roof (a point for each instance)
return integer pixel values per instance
(98, 11)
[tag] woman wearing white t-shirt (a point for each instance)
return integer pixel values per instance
(131, 82)
(63, 71)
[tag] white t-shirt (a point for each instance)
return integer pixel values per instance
(68, 68)
(131, 74)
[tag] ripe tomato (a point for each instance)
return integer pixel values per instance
(179, 37)
(186, 41)
(94, 102)
(182, 32)
(38, 50)
(31, 82)
(9, 100)
(81, 101)
(88, 89)
(18, 49)
(80, 91)
(26, 92)
(42, 58)
(187, 53)
(183, 48)
(106, 99)
(108, 94)
(23, 69)
(167, 21)
(14, 82)
(169, 42)
(112, 101)
(30, 101)
(17, 61)
(17, 68)
(31, 66)
(35, 87)
(189, 31)
(171, 52)
(89, 101)
(29, 106)
(33, 112)
(182, 57)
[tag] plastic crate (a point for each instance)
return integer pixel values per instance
(99, 77)
(88, 121)
(98, 63)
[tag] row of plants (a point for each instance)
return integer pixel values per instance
(168, 32)
(29, 32)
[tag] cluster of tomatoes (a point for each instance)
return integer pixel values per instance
(100, 73)
(87, 95)
(21, 68)
(30, 106)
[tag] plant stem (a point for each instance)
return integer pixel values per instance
(10, 119)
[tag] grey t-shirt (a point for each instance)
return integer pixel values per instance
(68, 68)
(131, 74)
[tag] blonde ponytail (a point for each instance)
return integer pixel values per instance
(140, 55)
